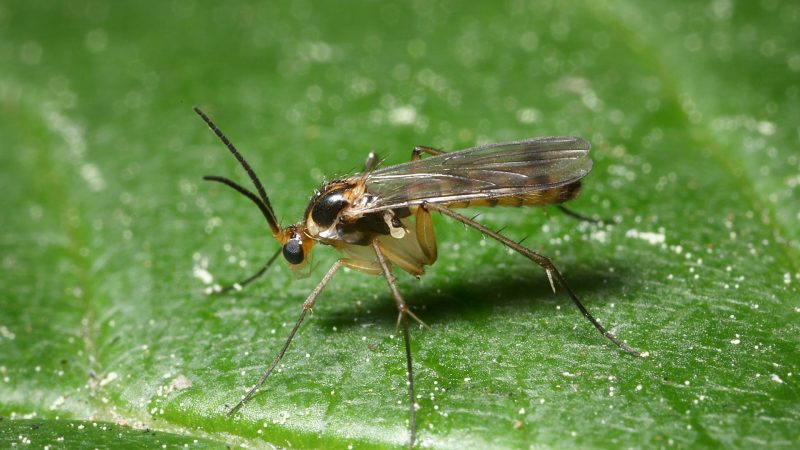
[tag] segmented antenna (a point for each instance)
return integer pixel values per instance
(244, 191)
(267, 210)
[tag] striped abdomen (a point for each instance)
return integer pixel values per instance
(557, 195)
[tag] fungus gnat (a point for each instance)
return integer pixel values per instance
(381, 217)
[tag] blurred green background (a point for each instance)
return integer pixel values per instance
(108, 232)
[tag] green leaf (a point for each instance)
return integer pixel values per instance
(108, 230)
(87, 434)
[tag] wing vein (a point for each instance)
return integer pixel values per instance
(516, 168)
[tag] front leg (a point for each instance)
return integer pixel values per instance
(308, 304)
(240, 285)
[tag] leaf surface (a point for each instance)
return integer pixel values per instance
(109, 235)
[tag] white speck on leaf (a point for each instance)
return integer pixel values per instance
(109, 378)
(6, 333)
(57, 402)
(649, 236)
(403, 115)
(180, 383)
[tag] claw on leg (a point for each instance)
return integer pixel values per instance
(412, 315)
(550, 277)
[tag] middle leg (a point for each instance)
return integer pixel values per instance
(402, 321)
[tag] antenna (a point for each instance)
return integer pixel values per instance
(263, 201)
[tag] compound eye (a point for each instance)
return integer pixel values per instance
(293, 251)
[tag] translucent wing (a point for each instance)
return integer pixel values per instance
(493, 171)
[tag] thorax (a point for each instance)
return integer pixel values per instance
(333, 215)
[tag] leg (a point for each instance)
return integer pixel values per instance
(544, 262)
(307, 305)
(402, 321)
(425, 235)
(238, 286)
(583, 218)
(402, 307)
(416, 154)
